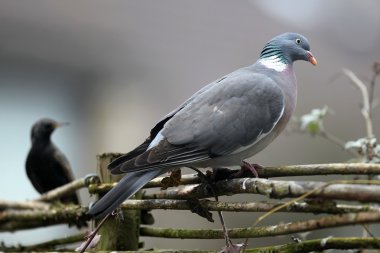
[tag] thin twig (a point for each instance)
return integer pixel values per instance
(335, 140)
(366, 110)
(376, 73)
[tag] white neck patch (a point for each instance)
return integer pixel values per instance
(274, 63)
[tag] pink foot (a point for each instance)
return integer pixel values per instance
(250, 167)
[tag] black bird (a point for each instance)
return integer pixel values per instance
(46, 166)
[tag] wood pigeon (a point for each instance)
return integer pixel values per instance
(222, 124)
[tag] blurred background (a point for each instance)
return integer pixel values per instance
(114, 68)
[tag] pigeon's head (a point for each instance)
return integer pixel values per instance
(290, 47)
(43, 128)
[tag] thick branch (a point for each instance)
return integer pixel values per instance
(47, 246)
(321, 169)
(264, 231)
(320, 207)
(321, 244)
(67, 189)
(62, 191)
(281, 171)
(15, 220)
(301, 247)
(276, 189)
(21, 205)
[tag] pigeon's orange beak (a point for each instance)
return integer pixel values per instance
(311, 58)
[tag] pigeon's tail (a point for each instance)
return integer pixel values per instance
(127, 186)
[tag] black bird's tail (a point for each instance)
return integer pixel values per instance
(127, 186)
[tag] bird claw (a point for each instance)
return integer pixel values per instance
(246, 170)
(252, 168)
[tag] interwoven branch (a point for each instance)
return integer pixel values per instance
(276, 189)
(303, 207)
(279, 171)
(263, 231)
(12, 220)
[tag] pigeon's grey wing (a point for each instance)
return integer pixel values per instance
(115, 165)
(232, 115)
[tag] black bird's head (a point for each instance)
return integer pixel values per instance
(43, 128)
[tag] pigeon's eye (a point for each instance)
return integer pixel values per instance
(298, 41)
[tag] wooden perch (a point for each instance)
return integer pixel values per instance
(276, 189)
(27, 219)
(320, 245)
(69, 188)
(280, 171)
(22, 205)
(12, 220)
(319, 207)
(264, 231)
(45, 246)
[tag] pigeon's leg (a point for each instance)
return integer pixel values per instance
(201, 176)
(226, 236)
(92, 234)
(246, 166)
(208, 182)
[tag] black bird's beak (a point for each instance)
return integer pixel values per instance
(61, 124)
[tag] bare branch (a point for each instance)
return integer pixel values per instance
(277, 189)
(12, 220)
(320, 207)
(62, 191)
(366, 110)
(280, 171)
(22, 205)
(47, 246)
(337, 243)
(264, 231)
(376, 73)
(321, 244)
(335, 140)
